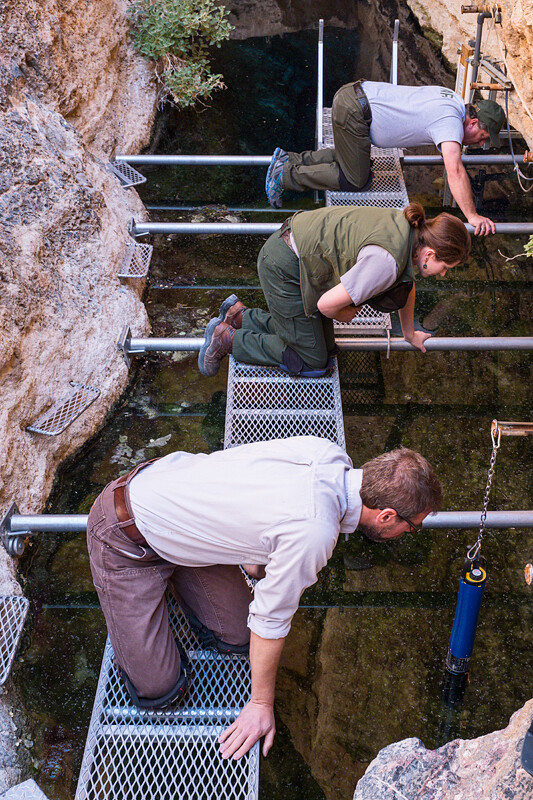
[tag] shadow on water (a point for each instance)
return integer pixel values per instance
(363, 665)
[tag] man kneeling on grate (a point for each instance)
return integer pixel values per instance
(187, 521)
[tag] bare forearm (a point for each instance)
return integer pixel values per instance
(460, 188)
(264, 660)
(347, 313)
(407, 320)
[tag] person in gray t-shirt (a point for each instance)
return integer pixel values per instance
(385, 115)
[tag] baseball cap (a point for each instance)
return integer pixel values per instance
(493, 116)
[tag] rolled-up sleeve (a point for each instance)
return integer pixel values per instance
(299, 551)
(374, 271)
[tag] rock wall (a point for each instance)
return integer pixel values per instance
(76, 57)
(487, 768)
(72, 93)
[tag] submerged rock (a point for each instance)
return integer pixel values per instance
(487, 768)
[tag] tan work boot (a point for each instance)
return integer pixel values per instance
(217, 345)
(231, 311)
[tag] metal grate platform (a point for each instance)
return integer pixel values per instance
(13, 611)
(265, 403)
(65, 411)
(24, 791)
(387, 189)
(368, 320)
(166, 755)
(136, 261)
(127, 175)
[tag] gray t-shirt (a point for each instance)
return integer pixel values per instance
(374, 271)
(412, 116)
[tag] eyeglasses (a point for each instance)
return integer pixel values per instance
(414, 528)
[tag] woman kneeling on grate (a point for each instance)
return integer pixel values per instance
(324, 265)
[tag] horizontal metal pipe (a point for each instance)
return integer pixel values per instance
(264, 228)
(500, 158)
(48, 523)
(370, 344)
(262, 161)
(180, 344)
(440, 343)
(471, 519)
(77, 523)
(195, 161)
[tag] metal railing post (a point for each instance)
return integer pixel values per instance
(394, 56)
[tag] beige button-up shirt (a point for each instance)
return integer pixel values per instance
(280, 503)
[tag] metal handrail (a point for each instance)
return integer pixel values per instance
(132, 347)
(77, 523)
(266, 228)
(264, 161)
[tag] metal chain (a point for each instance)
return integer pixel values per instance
(495, 433)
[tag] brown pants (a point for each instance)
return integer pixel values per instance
(131, 581)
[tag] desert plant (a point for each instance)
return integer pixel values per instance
(177, 34)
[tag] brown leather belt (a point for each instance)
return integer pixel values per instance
(363, 101)
(121, 505)
(121, 509)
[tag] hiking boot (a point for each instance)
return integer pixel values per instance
(273, 183)
(217, 345)
(231, 311)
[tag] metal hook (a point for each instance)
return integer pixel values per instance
(495, 434)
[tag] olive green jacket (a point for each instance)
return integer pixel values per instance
(329, 241)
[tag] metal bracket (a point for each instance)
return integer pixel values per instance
(14, 542)
(124, 344)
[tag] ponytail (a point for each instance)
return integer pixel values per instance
(445, 234)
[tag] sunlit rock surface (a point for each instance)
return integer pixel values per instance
(72, 93)
(487, 768)
(77, 57)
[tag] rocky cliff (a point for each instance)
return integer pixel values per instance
(487, 768)
(72, 93)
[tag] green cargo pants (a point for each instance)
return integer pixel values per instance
(265, 336)
(348, 162)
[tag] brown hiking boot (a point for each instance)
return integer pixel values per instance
(231, 311)
(217, 345)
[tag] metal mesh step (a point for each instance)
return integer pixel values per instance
(65, 411)
(368, 320)
(127, 175)
(13, 611)
(136, 261)
(164, 755)
(387, 189)
(24, 791)
(266, 403)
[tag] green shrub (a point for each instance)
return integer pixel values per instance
(177, 34)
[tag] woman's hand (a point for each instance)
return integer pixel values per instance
(417, 339)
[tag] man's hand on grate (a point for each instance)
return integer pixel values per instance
(254, 721)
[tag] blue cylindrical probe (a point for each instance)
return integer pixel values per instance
(471, 590)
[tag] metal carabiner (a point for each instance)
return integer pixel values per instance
(495, 434)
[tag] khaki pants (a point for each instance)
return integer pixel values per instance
(265, 336)
(344, 168)
(131, 582)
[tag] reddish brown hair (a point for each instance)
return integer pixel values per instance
(445, 234)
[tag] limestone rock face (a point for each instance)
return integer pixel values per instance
(512, 41)
(72, 91)
(63, 240)
(487, 768)
(77, 57)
